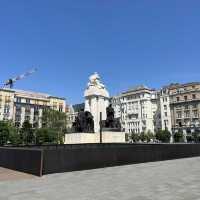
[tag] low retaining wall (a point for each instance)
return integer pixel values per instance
(63, 158)
(22, 159)
(89, 156)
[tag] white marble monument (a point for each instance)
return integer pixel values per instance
(96, 100)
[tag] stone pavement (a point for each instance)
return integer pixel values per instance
(7, 174)
(166, 180)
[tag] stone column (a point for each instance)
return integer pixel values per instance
(87, 105)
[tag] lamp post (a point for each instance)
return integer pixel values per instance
(100, 123)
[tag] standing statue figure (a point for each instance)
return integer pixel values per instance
(110, 117)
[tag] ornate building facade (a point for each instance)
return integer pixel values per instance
(185, 107)
(174, 107)
(137, 109)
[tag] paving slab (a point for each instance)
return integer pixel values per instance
(7, 174)
(166, 180)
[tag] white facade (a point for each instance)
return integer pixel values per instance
(138, 108)
(165, 114)
(96, 100)
(142, 109)
(116, 104)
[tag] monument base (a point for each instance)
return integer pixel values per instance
(107, 137)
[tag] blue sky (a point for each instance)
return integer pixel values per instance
(128, 42)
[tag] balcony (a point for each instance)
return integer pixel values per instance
(195, 116)
(183, 101)
(187, 117)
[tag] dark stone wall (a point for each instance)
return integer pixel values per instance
(39, 160)
(22, 159)
(89, 156)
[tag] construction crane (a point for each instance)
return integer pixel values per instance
(10, 82)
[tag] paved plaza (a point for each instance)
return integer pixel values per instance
(8, 175)
(167, 180)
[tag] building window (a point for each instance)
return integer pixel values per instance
(194, 96)
(18, 100)
(179, 114)
(195, 114)
(187, 114)
(186, 107)
(177, 98)
(165, 114)
(28, 100)
(185, 98)
(6, 109)
(60, 107)
(27, 109)
(165, 107)
(194, 106)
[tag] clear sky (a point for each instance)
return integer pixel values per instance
(128, 42)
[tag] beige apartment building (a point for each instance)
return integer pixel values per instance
(185, 107)
(19, 105)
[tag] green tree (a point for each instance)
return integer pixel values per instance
(135, 137)
(14, 137)
(189, 138)
(163, 135)
(150, 136)
(196, 136)
(143, 137)
(7, 132)
(4, 132)
(57, 121)
(27, 133)
(146, 136)
(178, 136)
(46, 136)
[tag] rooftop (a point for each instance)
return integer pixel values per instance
(31, 93)
(178, 85)
(138, 88)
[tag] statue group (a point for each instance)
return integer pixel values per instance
(84, 122)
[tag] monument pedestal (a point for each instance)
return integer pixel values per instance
(107, 137)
